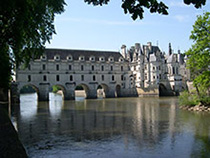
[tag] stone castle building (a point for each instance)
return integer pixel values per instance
(137, 71)
(154, 70)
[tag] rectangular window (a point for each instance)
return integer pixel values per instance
(29, 67)
(122, 77)
(44, 78)
(173, 70)
(43, 67)
(29, 78)
(71, 78)
(111, 68)
(94, 77)
(82, 67)
(121, 68)
(57, 78)
(102, 77)
(57, 67)
(102, 68)
(82, 77)
(69, 67)
(92, 68)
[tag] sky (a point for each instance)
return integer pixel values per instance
(88, 27)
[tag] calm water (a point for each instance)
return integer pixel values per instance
(111, 128)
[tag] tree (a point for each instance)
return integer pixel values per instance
(25, 26)
(136, 7)
(199, 55)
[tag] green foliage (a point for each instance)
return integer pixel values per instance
(55, 89)
(188, 99)
(25, 26)
(199, 54)
(136, 7)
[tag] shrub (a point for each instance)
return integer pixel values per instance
(188, 99)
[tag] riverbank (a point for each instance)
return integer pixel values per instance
(198, 108)
(10, 145)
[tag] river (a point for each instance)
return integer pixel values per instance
(145, 127)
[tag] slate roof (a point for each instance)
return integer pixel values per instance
(63, 53)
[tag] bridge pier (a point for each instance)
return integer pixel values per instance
(110, 93)
(91, 94)
(69, 95)
(43, 94)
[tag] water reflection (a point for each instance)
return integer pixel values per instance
(126, 127)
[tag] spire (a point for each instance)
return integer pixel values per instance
(169, 50)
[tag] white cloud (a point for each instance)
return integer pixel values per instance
(182, 18)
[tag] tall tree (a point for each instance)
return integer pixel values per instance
(25, 26)
(199, 54)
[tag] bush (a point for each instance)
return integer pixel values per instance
(55, 89)
(205, 100)
(188, 99)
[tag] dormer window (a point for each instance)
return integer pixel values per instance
(81, 58)
(92, 58)
(57, 57)
(111, 59)
(101, 59)
(43, 57)
(121, 59)
(69, 58)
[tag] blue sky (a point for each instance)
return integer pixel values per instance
(84, 26)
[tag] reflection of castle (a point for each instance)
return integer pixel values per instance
(154, 69)
(143, 121)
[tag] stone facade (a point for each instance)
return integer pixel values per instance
(154, 72)
(70, 68)
(140, 70)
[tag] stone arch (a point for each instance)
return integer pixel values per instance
(118, 91)
(162, 90)
(84, 91)
(61, 90)
(28, 90)
(102, 90)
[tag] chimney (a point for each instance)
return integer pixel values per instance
(123, 51)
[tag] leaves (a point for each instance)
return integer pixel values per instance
(25, 27)
(199, 54)
(136, 7)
